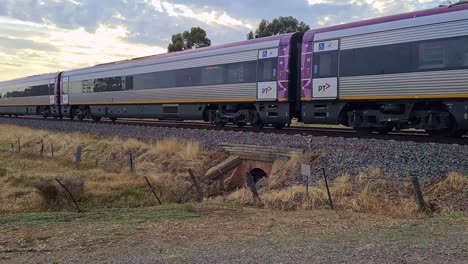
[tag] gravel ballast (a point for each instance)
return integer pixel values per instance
(338, 154)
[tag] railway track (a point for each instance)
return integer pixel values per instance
(404, 135)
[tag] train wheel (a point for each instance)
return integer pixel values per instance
(72, 117)
(363, 130)
(279, 126)
(220, 124)
(258, 125)
(113, 119)
(384, 130)
(451, 130)
(241, 124)
(96, 119)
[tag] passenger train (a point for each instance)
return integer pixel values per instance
(396, 72)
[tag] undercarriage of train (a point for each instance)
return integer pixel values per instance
(435, 118)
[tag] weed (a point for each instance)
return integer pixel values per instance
(232, 205)
(190, 208)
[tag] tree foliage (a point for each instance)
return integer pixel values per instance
(196, 38)
(279, 25)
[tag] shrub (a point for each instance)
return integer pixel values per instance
(48, 192)
(54, 196)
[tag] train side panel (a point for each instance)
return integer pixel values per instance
(245, 83)
(409, 73)
(29, 96)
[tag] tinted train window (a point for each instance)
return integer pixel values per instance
(108, 84)
(129, 83)
(445, 54)
(242, 72)
(154, 80)
(268, 70)
(188, 77)
(325, 64)
(212, 75)
(39, 90)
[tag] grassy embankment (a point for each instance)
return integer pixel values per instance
(104, 181)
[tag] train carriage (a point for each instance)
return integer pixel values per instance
(247, 82)
(401, 71)
(35, 95)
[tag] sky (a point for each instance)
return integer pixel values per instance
(41, 36)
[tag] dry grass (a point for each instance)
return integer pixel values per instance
(371, 192)
(287, 172)
(107, 179)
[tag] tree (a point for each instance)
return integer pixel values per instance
(196, 38)
(279, 25)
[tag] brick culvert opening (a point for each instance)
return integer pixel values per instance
(258, 174)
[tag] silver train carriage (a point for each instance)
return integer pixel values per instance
(35, 95)
(401, 71)
(250, 82)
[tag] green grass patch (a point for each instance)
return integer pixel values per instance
(116, 216)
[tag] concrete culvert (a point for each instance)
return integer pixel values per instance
(258, 174)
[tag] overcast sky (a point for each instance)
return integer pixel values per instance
(39, 36)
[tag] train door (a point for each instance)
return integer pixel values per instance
(325, 70)
(52, 92)
(267, 77)
(64, 91)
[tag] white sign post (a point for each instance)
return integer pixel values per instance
(305, 172)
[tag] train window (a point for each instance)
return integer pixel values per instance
(242, 72)
(325, 64)
(268, 70)
(212, 75)
(188, 77)
(431, 55)
(108, 84)
(129, 83)
(154, 80)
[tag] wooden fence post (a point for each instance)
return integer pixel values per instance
(130, 161)
(42, 147)
(197, 185)
(79, 151)
(418, 194)
(19, 145)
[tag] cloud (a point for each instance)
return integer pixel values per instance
(53, 48)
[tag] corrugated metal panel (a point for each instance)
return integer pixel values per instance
(366, 27)
(29, 79)
(24, 84)
(436, 31)
(184, 94)
(199, 62)
(420, 83)
(177, 57)
(33, 100)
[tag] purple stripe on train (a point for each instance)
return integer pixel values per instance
(283, 62)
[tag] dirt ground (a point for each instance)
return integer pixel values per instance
(230, 234)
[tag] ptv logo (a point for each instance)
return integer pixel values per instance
(266, 90)
(324, 88)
